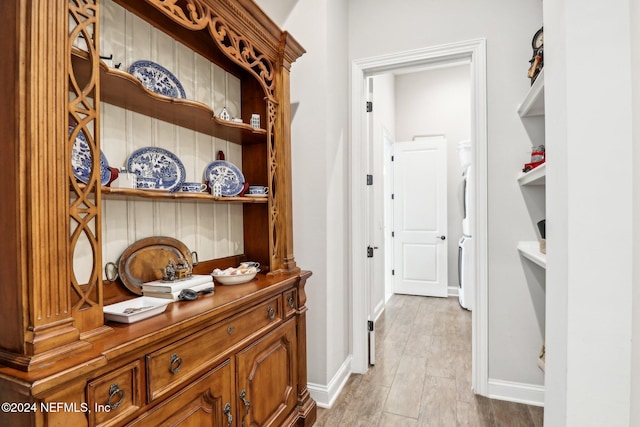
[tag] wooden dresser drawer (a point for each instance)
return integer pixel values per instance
(177, 363)
(114, 396)
(290, 303)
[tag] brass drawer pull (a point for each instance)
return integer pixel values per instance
(271, 312)
(175, 363)
(227, 412)
(230, 329)
(114, 390)
(291, 301)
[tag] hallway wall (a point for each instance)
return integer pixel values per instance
(378, 27)
(334, 33)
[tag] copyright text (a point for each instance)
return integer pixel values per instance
(22, 407)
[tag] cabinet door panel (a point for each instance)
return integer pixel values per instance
(267, 376)
(205, 402)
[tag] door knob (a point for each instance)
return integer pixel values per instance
(442, 237)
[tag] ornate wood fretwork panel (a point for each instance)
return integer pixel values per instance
(274, 241)
(197, 15)
(84, 212)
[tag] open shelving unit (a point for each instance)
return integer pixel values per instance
(123, 90)
(533, 103)
(531, 251)
(125, 193)
(531, 111)
(535, 176)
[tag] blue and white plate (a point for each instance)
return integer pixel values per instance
(158, 163)
(157, 79)
(81, 160)
(227, 174)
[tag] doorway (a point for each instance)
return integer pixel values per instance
(473, 52)
(420, 217)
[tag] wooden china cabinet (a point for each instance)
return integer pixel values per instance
(232, 358)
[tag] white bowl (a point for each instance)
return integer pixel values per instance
(141, 308)
(234, 279)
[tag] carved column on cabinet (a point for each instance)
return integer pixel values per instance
(290, 50)
(306, 405)
(36, 305)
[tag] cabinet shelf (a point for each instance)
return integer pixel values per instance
(123, 90)
(533, 103)
(531, 251)
(535, 176)
(131, 193)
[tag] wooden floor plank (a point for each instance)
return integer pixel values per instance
(422, 375)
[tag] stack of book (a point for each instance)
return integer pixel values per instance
(171, 290)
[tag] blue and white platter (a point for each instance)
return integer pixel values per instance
(227, 174)
(157, 79)
(158, 163)
(81, 160)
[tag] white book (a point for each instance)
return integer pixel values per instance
(160, 286)
(175, 294)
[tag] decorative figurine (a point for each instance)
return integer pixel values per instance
(255, 121)
(216, 189)
(537, 60)
(176, 270)
(169, 272)
(224, 114)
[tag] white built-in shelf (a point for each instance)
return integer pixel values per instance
(541, 364)
(531, 251)
(536, 176)
(533, 103)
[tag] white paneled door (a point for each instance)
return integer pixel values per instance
(420, 217)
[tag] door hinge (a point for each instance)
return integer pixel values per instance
(369, 106)
(370, 325)
(369, 252)
(393, 272)
(393, 158)
(393, 196)
(369, 179)
(393, 234)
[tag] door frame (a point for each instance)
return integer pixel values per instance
(473, 52)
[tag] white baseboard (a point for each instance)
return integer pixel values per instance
(452, 291)
(377, 312)
(531, 394)
(325, 396)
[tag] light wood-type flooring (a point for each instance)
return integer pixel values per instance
(422, 375)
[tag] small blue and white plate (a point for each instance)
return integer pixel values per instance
(227, 174)
(158, 163)
(157, 79)
(81, 160)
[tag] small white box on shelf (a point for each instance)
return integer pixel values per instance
(255, 121)
(125, 180)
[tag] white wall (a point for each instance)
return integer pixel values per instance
(635, 300)
(319, 136)
(589, 295)
(438, 102)
(378, 27)
(590, 273)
